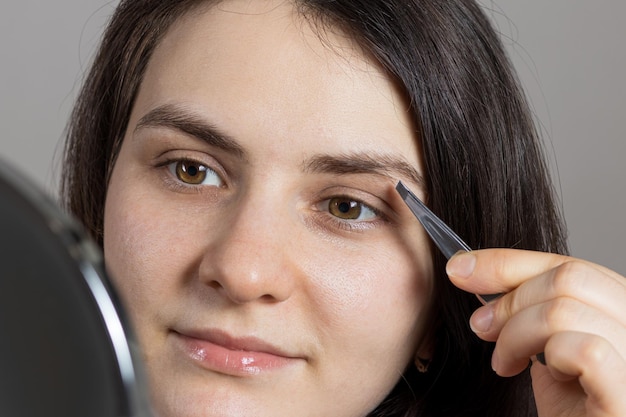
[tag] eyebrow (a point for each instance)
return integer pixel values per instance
(365, 163)
(178, 118)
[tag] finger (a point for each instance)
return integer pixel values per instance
(489, 271)
(572, 279)
(599, 367)
(527, 333)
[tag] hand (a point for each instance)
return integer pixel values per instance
(572, 310)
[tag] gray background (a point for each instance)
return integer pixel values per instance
(570, 55)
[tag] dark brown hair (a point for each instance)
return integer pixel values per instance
(486, 176)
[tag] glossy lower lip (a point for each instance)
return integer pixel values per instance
(215, 354)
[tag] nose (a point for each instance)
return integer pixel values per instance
(253, 251)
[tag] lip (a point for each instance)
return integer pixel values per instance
(220, 352)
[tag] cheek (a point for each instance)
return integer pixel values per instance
(136, 248)
(124, 239)
(372, 309)
(376, 294)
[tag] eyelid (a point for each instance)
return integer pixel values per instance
(205, 171)
(164, 160)
(382, 217)
(355, 225)
(373, 209)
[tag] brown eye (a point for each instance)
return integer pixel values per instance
(194, 173)
(190, 172)
(348, 209)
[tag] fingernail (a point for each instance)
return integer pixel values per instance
(495, 362)
(481, 320)
(541, 358)
(461, 265)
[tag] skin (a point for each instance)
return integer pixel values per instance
(570, 309)
(257, 250)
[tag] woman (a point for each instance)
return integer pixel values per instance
(237, 162)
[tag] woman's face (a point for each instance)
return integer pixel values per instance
(252, 226)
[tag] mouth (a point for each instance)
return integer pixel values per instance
(220, 352)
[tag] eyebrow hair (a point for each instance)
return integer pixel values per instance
(365, 163)
(178, 118)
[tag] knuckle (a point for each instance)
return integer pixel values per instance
(560, 313)
(568, 278)
(507, 306)
(594, 351)
(501, 266)
(512, 303)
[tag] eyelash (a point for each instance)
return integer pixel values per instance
(323, 207)
(351, 225)
(177, 184)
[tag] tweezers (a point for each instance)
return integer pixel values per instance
(442, 236)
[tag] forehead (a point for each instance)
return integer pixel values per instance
(267, 61)
(261, 41)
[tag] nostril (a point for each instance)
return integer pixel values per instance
(268, 298)
(218, 287)
(214, 285)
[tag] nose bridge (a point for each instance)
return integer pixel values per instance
(250, 258)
